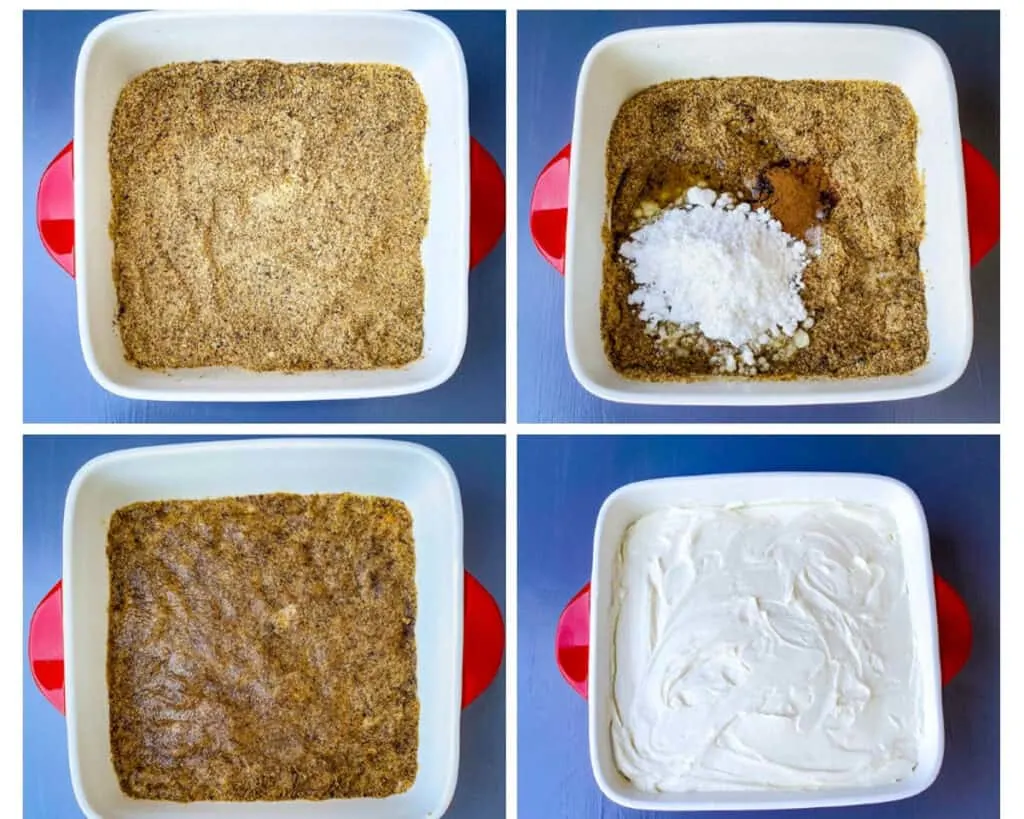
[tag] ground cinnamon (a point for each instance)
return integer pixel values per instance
(796, 193)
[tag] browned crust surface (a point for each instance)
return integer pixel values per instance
(269, 216)
(263, 648)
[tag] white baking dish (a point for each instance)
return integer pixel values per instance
(413, 474)
(623, 64)
(630, 502)
(125, 46)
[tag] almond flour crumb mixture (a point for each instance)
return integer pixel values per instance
(263, 648)
(704, 176)
(269, 216)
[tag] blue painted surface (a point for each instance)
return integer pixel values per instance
(50, 463)
(551, 50)
(57, 386)
(562, 483)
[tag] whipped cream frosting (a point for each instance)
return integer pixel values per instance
(764, 646)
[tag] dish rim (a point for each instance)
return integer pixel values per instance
(265, 386)
(782, 485)
(721, 391)
(355, 447)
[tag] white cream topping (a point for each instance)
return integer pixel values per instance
(763, 646)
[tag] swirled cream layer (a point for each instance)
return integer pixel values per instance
(764, 646)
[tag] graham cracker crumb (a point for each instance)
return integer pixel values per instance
(837, 155)
(269, 216)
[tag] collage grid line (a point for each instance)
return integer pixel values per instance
(542, 438)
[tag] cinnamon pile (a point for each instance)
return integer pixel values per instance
(796, 193)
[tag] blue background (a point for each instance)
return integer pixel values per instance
(50, 463)
(551, 50)
(58, 388)
(562, 483)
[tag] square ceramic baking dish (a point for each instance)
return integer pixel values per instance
(634, 500)
(413, 474)
(623, 64)
(125, 46)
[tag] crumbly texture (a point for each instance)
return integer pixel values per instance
(844, 150)
(269, 216)
(263, 648)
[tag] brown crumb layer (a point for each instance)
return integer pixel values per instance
(269, 216)
(263, 648)
(846, 147)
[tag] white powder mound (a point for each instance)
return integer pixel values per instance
(731, 271)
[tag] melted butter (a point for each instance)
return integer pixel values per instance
(763, 647)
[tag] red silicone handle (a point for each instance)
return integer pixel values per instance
(46, 646)
(486, 203)
(982, 183)
(572, 636)
(572, 641)
(549, 206)
(956, 636)
(55, 206)
(549, 209)
(483, 643)
(55, 210)
(483, 640)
